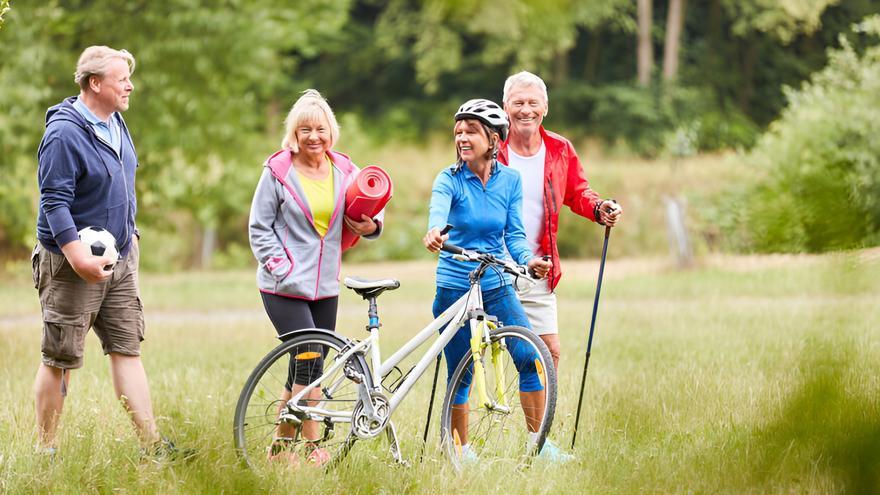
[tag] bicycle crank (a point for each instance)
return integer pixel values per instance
(366, 423)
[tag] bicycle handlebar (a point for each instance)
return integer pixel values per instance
(486, 259)
(451, 248)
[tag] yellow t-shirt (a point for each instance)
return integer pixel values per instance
(319, 194)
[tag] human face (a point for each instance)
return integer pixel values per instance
(313, 138)
(526, 107)
(114, 89)
(471, 141)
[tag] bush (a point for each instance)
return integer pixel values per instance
(817, 168)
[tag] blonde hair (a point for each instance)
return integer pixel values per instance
(94, 62)
(310, 108)
(524, 78)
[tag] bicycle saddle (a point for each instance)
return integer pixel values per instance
(370, 288)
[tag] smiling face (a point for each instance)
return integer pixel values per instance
(313, 138)
(526, 108)
(113, 90)
(471, 141)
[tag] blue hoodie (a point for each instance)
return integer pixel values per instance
(83, 182)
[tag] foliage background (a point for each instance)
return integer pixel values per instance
(215, 78)
(816, 184)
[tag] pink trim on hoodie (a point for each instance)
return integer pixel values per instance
(291, 296)
(279, 164)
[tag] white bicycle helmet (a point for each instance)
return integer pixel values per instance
(487, 112)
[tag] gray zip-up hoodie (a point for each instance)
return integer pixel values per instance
(294, 260)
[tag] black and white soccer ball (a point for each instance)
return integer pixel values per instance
(101, 243)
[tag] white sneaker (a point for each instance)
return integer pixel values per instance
(550, 452)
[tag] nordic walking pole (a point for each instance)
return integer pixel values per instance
(436, 372)
(430, 407)
(577, 418)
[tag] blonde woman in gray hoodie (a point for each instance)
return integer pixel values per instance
(295, 229)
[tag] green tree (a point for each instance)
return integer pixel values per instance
(207, 72)
(4, 8)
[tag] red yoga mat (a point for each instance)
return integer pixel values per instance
(367, 195)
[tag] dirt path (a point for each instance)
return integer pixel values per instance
(586, 269)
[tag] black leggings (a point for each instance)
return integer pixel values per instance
(287, 315)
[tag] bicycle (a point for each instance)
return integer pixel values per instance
(351, 400)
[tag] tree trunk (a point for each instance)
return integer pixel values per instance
(645, 51)
(591, 64)
(674, 24)
(715, 24)
(560, 68)
(209, 242)
(273, 117)
(749, 64)
(714, 62)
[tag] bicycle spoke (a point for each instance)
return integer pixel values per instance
(492, 432)
(257, 416)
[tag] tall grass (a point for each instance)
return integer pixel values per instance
(745, 375)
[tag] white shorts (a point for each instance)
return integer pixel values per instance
(539, 302)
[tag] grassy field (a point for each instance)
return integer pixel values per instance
(746, 374)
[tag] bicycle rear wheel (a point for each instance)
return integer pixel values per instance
(262, 438)
(502, 430)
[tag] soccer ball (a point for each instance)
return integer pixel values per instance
(101, 243)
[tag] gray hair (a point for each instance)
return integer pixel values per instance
(310, 108)
(524, 78)
(94, 62)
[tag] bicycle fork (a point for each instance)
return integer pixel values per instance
(479, 338)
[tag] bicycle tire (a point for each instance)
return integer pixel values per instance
(494, 434)
(255, 426)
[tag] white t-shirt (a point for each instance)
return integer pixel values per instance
(531, 168)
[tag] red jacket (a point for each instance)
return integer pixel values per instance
(564, 183)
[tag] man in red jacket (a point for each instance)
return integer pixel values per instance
(552, 176)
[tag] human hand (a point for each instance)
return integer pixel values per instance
(539, 267)
(609, 212)
(88, 266)
(434, 240)
(365, 227)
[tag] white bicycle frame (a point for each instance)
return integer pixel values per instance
(457, 313)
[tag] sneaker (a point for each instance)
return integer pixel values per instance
(48, 453)
(550, 452)
(280, 451)
(165, 450)
(468, 455)
(318, 457)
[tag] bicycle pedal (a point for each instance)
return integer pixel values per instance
(350, 373)
(289, 419)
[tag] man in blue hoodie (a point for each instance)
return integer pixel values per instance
(86, 175)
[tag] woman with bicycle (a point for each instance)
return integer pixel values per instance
(295, 229)
(483, 200)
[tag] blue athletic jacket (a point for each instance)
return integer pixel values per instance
(485, 219)
(83, 182)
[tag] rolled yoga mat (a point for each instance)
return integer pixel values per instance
(367, 195)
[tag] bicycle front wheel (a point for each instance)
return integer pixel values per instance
(264, 437)
(520, 385)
